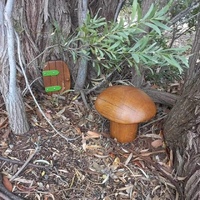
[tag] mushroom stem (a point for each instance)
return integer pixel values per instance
(124, 133)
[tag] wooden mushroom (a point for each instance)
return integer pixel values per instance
(125, 107)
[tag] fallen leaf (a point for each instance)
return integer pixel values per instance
(78, 130)
(61, 112)
(39, 114)
(3, 122)
(93, 147)
(91, 134)
(48, 115)
(139, 163)
(6, 134)
(84, 145)
(128, 159)
(157, 143)
(115, 164)
(8, 185)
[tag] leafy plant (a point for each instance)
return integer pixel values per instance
(115, 45)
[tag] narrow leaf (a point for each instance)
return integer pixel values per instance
(165, 9)
(154, 27)
(134, 10)
(161, 25)
(116, 44)
(150, 12)
(170, 60)
(136, 58)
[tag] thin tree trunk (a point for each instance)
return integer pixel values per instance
(10, 92)
(194, 58)
(182, 129)
(82, 63)
(108, 9)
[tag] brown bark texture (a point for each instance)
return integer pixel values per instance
(44, 26)
(182, 129)
(162, 97)
(104, 8)
(12, 95)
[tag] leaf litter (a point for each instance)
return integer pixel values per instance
(91, 166)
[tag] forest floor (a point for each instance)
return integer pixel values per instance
(83, 163)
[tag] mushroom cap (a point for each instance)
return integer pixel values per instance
(125, 105)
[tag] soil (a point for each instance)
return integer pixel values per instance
(81, 161)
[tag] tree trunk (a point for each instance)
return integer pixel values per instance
(107, 8)
(10, 91)
(43, 27)
(182, 128)
(82, 61)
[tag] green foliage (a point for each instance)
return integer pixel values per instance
(163, 76)
(115, 45)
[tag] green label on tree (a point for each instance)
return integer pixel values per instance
(50, 73)
(53, 88)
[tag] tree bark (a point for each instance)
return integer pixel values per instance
(10, 91)
(43, 27)
(194, 58)
(104, 8)
(82, 61)
(162, 97)
(109, 10)
(42, 24)
(182, 128)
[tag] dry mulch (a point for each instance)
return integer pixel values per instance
(89, 166)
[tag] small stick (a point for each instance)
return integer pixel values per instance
(156, 120)
(25, 164)
(21, 163)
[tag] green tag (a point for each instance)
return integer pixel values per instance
(50, 73)
(53, 88)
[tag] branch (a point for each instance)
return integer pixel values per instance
(21, 163)
(185, 12)
(119, 7)
(32, 154)
(82, 62)
(161, 97)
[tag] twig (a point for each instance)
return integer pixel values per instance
(21, 163)
(119, 7)
(152, 122)
(84, 99)
(42, 53)
(5, 194)
(184, 13)
(26, 163)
